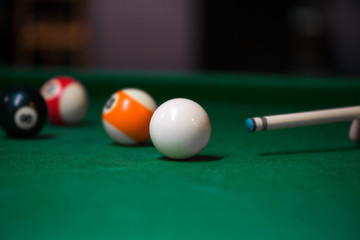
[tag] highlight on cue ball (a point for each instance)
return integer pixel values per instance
(180, 128)
(66, 99)
(126, 116)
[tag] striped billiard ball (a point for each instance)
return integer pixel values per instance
(23, 112)
(126, 116)
(66, 98)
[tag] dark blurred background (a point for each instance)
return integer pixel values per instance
(286, 37)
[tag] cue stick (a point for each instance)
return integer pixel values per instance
(302, 119)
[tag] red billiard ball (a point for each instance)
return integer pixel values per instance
(23, 112)
(66, 98)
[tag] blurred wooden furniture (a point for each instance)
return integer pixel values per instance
(51, 33)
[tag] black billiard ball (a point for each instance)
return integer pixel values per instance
(23, 112)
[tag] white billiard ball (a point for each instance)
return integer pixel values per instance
(180, 128)
(66, 99)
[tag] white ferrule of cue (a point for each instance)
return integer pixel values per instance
(307, 118)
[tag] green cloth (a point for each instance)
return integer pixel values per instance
(75, 183)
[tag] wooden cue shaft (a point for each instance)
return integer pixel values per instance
(306, 118)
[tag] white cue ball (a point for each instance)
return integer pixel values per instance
(180, 128)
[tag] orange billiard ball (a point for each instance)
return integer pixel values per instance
(126, 116)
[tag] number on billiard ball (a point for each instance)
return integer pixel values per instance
(110, 103)
(23, 112)
(26, 117)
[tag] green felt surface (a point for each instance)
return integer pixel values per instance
(75, 183)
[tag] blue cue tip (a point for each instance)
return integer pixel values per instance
(250, 125)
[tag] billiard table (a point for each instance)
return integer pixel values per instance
(74, 182)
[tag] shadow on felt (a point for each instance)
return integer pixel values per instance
(198, 158)
(82, 124)
(307, 151)
(37, 137)
(44, 137)
(145, 144)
